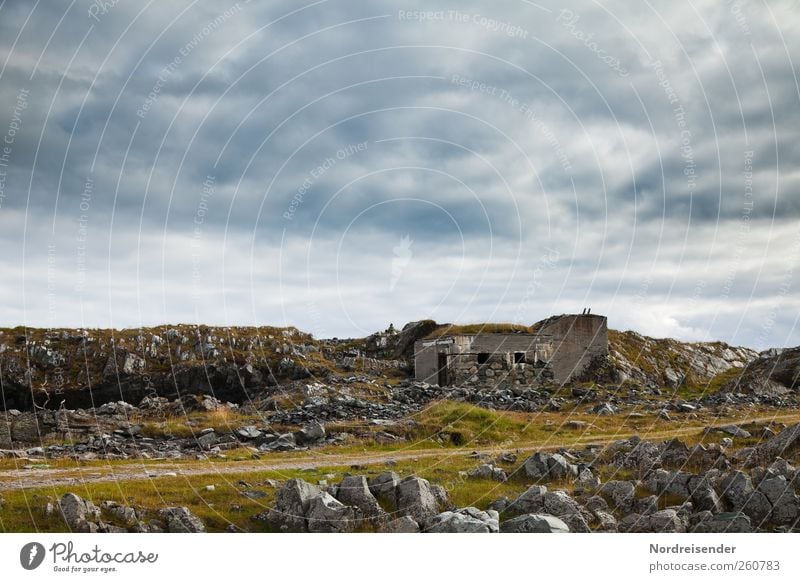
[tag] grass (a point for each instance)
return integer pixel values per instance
(431, 452)
(188, 425)
(475, 328)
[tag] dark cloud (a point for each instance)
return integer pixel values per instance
(201, 161)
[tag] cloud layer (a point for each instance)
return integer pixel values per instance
(342, 165)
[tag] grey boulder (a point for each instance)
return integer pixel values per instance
(181, 520)
(327, 515)
(467, 520)
(534, 523)
(415, 498)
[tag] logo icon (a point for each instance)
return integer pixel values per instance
(32, 555)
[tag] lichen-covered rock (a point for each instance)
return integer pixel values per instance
(403, 524)
(620, 493)
(605, 522)
(466, 520)
(674, 483)
(530, 501)
(327, 515)
(5, 432)
(415, 498)
(534, 523)
(487, 471)
(81, 516)
(354, 491)
(181, 520)
(123, 363)
(560, 504)
(703, 495)
(292, 502)
(735, 522)
(664, 521)
(782, 498)
(309, 434)
(383, 487)
(545, 467)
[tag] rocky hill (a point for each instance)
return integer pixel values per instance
(775, 371)
(669, 363)
(89, 367)
(85, 368)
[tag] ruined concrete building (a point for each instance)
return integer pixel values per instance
(559, 348)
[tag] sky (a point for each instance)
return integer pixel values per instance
(342, 165)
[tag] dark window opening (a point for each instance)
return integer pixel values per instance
(442, 376)
(483, 357)
(519, 357)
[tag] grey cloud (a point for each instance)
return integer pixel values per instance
(598, 173)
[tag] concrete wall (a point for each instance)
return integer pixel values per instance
(577, 340)
(563, 345)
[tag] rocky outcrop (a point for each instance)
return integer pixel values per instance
(82, 516)
(772, 372)
(670, 363)
(787, 441)
(350, 505)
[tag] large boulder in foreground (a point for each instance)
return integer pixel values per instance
(534, 523)
(79, 515)
(403, 524)
(547, 467)
(327, 515)
(530, 501)
(781, 445)
(292, 502)
(181, 520)
(467, 520)
(415, 497)
(354, 490)
(732, 522)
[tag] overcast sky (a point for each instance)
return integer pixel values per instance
(341, 165)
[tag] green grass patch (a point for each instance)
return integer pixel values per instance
(475, 328)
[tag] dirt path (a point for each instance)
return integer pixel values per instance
(17, 479)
